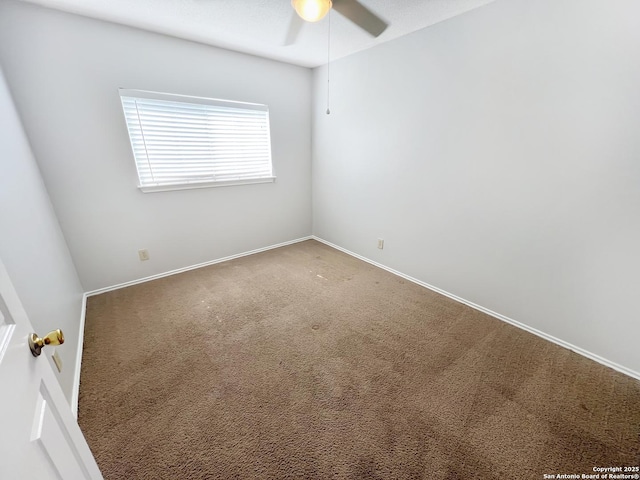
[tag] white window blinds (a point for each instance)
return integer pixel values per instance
(187, 142)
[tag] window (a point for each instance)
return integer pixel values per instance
(191, 142)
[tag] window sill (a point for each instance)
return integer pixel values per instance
(189, 186)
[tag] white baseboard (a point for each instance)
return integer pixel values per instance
(562, 343)
(76, 374)
(546, 336)
(193, 267)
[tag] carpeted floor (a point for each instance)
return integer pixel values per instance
(303, 362)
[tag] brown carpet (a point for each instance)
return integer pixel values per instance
(303, 362)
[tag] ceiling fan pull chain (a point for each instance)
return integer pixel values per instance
(328, 59)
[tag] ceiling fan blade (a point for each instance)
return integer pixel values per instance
(361, 16)
(295, 25)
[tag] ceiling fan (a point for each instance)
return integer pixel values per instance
(315, 10)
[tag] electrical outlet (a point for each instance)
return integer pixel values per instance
(143, 254)
(57, 360)
(380, 243)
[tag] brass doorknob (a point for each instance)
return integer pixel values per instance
(55, 337)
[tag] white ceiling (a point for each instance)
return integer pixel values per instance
(259, 27)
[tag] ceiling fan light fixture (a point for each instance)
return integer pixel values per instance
(312, 10)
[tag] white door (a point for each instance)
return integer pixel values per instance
(39, 437)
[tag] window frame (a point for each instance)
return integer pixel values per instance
(188, 185)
